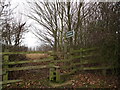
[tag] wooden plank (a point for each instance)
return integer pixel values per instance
(82, 56)
(90, 62)
(88, 68)
(54, 66)
(27, 68)
(21, 52)
(6, 59)
(84, 62)
(30, 67)
(67, 60)
(96, 68)
(58, 61)
(83, 50)
(28, 61)
(9, 81)
(67, 67)
(73, 71)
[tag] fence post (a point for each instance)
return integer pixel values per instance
(51, 74)
(104, 72)
(57, 74)
(54, 74)
(71, 61)
(5, 60)
(65, 51)
(81, 54)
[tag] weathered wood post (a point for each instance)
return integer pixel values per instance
(0, 66)
(81, 57)
(104, 72)
(71, 62)
(65, 48)
(51, 74)
(57, 74)
(5, 60)
(54, 74)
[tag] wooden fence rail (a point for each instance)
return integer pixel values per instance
(76, 61)
(81, 57)
(9, 53)
(5, 65)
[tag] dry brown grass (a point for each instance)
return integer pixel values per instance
(36, 56)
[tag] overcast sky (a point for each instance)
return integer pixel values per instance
(29, 39)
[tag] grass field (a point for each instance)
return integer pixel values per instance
(36, 56)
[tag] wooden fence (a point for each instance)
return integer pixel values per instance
(85, 60)
(77, 61)
(6, 69)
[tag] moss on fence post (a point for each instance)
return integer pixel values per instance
(51, 74)
(104, 71)
(57, 75)
(71, 59)
(5, 60)
(54, 74)
(81, 54)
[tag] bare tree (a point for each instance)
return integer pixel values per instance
(47, 16)
(11, 29)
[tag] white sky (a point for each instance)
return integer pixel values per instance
(29, 39)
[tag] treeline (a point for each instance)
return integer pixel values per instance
(96, 24)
